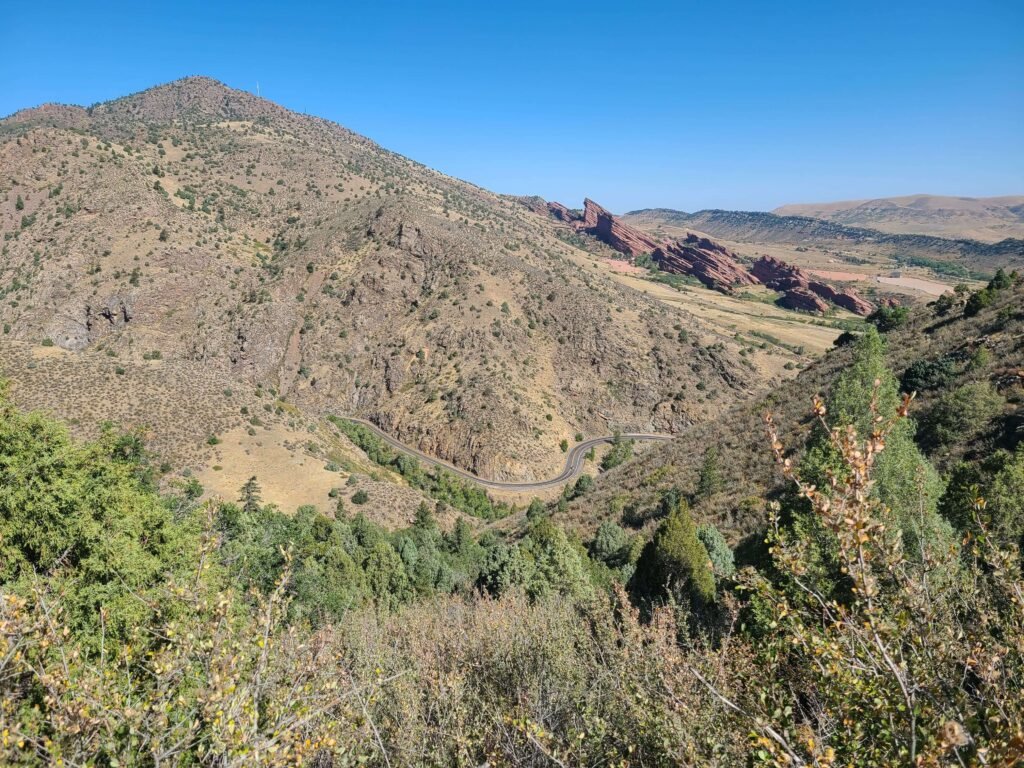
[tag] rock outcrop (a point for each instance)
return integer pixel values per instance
(710, 262)
(804, 300)
(608, 229)
(799, 288)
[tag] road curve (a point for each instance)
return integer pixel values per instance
(573, 460)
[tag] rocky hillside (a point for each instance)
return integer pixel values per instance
(967, 368)
(206, 231)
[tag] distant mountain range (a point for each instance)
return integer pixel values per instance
(979, 218)
(760, 227)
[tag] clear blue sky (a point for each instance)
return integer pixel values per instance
(678, 104)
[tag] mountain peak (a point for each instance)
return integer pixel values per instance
(197, 98)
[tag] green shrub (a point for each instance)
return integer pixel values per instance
(889, 318)
(960, 415)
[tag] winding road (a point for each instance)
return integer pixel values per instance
(573, 460)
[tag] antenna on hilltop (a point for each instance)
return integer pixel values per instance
(257, 88)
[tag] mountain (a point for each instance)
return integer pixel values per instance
(782, 579)
(210, 265)
(988, 219)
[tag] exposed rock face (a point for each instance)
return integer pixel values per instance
(708, 261)
(608, 229)
(562, 213)
(803, 300)
(798, 287)
(847, 298)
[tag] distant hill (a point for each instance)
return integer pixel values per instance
(759, 227)
(980, 218)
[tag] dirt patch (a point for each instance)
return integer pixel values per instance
(624, 267)
(930, 287)
(850, 277)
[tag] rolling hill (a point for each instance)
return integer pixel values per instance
(988, 219)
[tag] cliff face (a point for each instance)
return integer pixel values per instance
(608, 229)
(800, 289)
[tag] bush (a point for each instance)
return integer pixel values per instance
(610, 545)
(360, 497)
(978, 301)
(889, 318)
(584, 484)
(87, 514)
(925, 375)
(960, 415)
(723, 564)
(621, 451)
(675, 562)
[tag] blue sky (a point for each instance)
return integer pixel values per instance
(686, 105)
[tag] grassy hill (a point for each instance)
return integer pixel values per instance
(982, 218)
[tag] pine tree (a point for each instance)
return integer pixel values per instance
(250, 498)
(710, 481)
(676, 560)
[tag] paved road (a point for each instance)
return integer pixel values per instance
(573, 460)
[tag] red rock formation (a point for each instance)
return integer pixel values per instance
(608, 229)
(846, 298)
(562, 213)
(802, 299)
(708, 261)
(780, 276)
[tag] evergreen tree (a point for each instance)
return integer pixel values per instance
(722, 560)
(675, 560)
(710, 480)
(906, 482)
(610, 545)
(250, 498)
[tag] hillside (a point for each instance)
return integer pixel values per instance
(948, 357)
(192, 240)
(989, 219)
